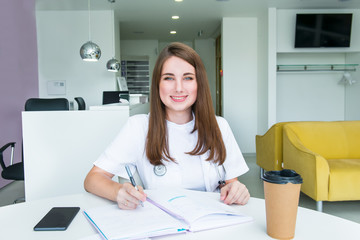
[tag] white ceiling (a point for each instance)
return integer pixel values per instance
(151, 19)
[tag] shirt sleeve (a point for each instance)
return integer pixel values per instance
(127, 148)
(235, 164)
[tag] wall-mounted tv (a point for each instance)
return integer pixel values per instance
(323, 30)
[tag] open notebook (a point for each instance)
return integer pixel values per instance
(165, 212)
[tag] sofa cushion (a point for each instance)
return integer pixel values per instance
(344, 179)
(330, 139)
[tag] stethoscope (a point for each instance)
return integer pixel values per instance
(221, 182)
(160, 170)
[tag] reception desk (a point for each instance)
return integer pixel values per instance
(61, 146)
(133, 109)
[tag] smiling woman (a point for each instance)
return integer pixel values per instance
(180, 61)
(181, 143)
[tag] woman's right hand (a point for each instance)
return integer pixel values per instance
(128, 197)
(100, 183)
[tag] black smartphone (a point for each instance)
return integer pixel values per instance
(57, 219)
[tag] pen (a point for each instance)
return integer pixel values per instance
(132, 180)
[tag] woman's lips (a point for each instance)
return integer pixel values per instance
(178, 98)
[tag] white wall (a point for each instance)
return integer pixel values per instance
(60, 34)
(310, 96)
(240, 68)
(272, 61)
(117, 37)
(206, 49)
(352, 92)
(262, 86)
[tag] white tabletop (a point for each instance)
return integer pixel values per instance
(17, 222)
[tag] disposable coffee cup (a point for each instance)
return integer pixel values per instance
(282, 191)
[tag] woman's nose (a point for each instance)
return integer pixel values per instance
(179, 85)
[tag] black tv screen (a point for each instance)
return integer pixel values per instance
(323, 30)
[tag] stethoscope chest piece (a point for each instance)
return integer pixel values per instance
(159, 170)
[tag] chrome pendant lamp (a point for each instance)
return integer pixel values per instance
(90, 51)
(113, 65)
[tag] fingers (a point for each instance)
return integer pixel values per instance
(138, 195)
(243, 198)
(126, 205)
(234, 193)
(129, 198)
(141, 191)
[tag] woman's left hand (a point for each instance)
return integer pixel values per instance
(234, 192)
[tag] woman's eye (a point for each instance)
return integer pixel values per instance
(189, 78)
(168, 78)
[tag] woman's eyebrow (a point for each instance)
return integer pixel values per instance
(189, 73)
(171, 74)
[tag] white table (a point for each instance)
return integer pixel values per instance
(17, 222)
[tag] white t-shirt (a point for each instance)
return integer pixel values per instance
(190, 172)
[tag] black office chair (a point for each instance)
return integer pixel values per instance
(46, 104)
(81, 103)
(12, 171)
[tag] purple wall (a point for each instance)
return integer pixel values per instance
(18, 68)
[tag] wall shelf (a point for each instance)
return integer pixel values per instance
(137, 75)
(316, 67)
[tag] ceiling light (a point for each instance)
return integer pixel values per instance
(175, 17)
(172, 32)
(178, 0)
(90, 51)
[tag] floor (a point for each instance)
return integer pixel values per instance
(349, 210)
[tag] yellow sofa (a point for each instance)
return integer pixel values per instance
(327, 156)
(269, 148)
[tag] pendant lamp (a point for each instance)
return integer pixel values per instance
(113, 65)
(90, 51)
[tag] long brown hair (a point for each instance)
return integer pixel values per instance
(209, 135)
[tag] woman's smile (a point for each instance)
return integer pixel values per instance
(178, 98)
